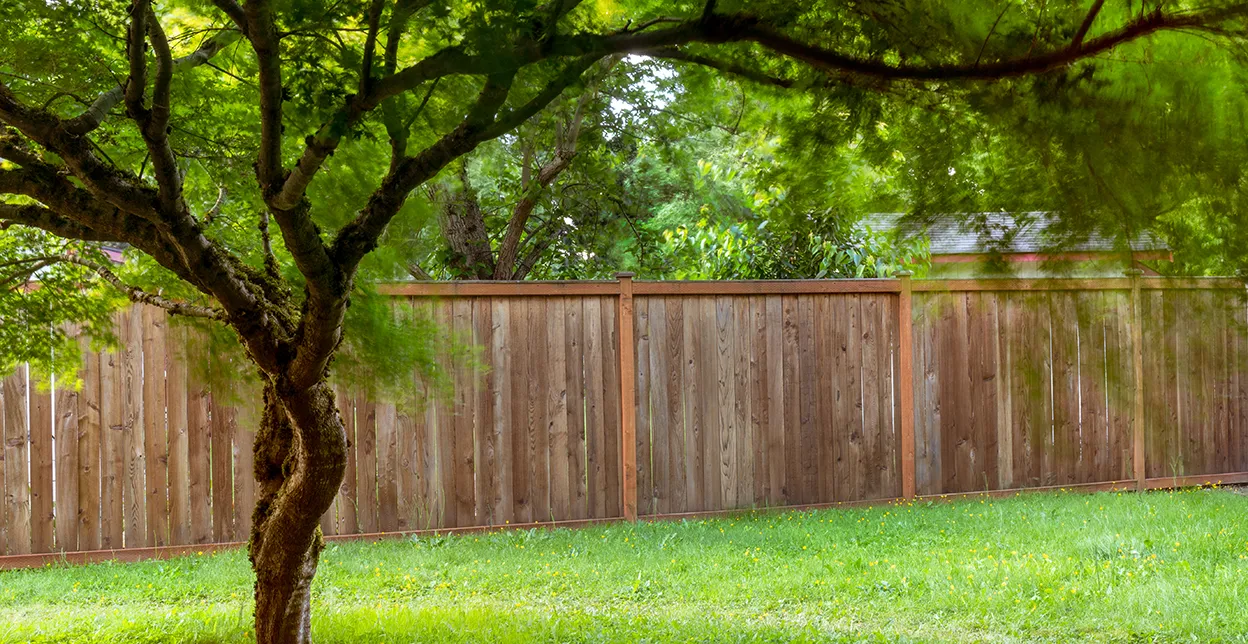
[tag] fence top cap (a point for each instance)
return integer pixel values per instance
(903, 273)
(1134, 272)
(625, 275)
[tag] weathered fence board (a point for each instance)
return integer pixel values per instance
(739, 395)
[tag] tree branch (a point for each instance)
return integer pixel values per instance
(94, 115)
(1087, 24)
(565, 151)
(140, 296)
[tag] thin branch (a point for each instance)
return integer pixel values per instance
(1087, 24)
(140, 296)
(216, 207)
(992, 31)
(370, 44)
(99, 109)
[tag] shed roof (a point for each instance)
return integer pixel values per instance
(983, 233)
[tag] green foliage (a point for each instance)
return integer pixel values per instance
(749, 251)
(681, 171)
(1109, 567)
(39, 298)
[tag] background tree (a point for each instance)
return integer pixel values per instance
(235, 147)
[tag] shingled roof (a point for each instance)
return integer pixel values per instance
(1002, 232)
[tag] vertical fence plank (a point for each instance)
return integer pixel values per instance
(199, 454)
(870, 469)
(1093, 415)
(557, 407)
(677, 485)
(483, 426)
(612, 414)
(366, 464)
(760, 398)
(595, 408)
(133, 438)
(539, 415)
(246, 418)
(792, 401)
(112, 455)
(724, 451)
(708, 371)
(981, 322)
(222, 422)
(776, 480)
(65, 438)
(574, 377)
(808, 415)
(518, 324)
(743, 436)
(661, 425)
(644, 489)
(1065, 359)
(88, 492)
(16, 465)
(462, 423)
(906, 384)
(41, 516)
(694, 443)
(348, 517)
(501, 386)
(155, 432)
(177, 396)
(387, 468)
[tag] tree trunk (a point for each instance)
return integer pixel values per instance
(300, 457)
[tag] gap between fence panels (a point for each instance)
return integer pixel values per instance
(131, 555)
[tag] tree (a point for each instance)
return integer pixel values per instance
(136, 124)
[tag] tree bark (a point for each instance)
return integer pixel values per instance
(300, 457)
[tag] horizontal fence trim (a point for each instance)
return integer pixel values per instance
(483, 288)
(1012, 284)
(129, 555)
(1192, 282)
(766, 287)
(1076, 284)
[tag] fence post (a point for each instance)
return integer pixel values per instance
(905, 381)
(1137, 363)
(628, 398)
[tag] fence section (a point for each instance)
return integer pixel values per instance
(747, 400)
(1022, 389)
(595, 400)
(529, 433)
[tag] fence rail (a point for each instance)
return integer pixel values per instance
(591, 401)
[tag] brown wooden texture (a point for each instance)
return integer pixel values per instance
(741, 397)
(16, 465)
(155, 431)
(88, 461)
(177, 399)
(41, 516)
(112, 472)
(134, 498)
(222, 423)
(199, 457)
(65, 441)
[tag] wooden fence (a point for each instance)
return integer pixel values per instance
(602, 400)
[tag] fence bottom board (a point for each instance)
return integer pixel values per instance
(130, 555)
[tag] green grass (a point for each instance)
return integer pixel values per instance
(1114, 567)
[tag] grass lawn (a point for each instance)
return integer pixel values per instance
(1163, 566)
